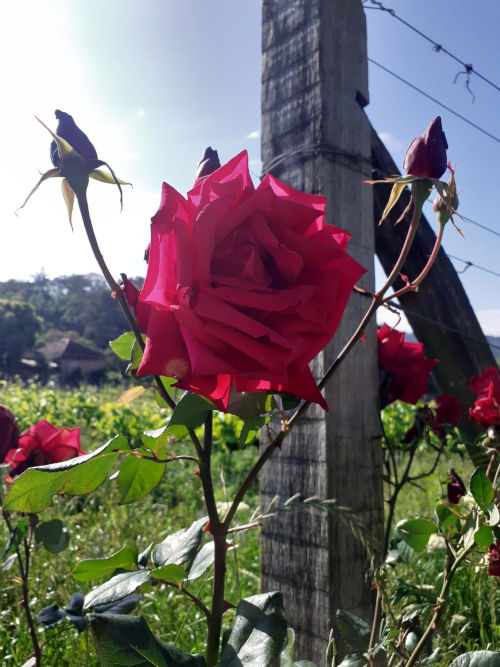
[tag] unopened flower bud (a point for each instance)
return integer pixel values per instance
(426, 156)
(69, 130)
(208, 163)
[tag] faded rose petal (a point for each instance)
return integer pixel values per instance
(456, 488)
(244, 286)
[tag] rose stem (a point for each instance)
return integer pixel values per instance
(84, 210)
(219, 531)
(425, 270)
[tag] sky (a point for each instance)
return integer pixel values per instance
(153, 82)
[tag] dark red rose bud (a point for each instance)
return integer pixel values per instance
(456, 488)
(426, 156)
(494, 559)
(69, 130)
(208, 163)
(9, 433)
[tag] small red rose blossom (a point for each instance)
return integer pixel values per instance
(405, 365)
(244, 286)
(426, 156)
(494, 559)
(456, 488)
(486, 408)
(43, 443)
(447, 411)
(9, 433)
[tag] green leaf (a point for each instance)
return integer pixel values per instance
(116, 588)
(16, 537)
(191, 411)
(416, 532)
(136, 356)
(122, 346)
(171, 572)
(137, 477)
(477, 659)
(415, 611)
(354, 630)
(202, 561)
(96, 568)
(53, 535)
(258, 634)
(484, 536)
(286, 657)
(180, 546)
(33, 490)
(353, 660)
(445, 517)
(481, 488)
(250, 430)
(128, 640)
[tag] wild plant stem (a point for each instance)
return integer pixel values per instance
(23, 571)
(448, 576)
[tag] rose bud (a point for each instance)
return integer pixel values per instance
(69, 130)
(456, 488)
(426, 156)
(208, 163)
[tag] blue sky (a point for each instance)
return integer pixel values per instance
(152, 82)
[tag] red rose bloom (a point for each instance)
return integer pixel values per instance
(9, 433)
(407, 369)
(486, 409)
(42, 444)
(426, 156)
(244, 286)
(494, 559)
(447, 411)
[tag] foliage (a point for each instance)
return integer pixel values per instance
(19, 326)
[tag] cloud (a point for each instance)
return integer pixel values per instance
(391, 142)
(253, 135)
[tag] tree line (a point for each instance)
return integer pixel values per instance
(43, 309)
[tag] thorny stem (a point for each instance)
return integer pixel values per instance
(425, 270)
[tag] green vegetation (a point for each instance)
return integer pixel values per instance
(99, 526)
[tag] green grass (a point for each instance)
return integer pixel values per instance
(98, 526)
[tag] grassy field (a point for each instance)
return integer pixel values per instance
(98, 526)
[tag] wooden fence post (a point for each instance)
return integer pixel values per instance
(316, 137)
